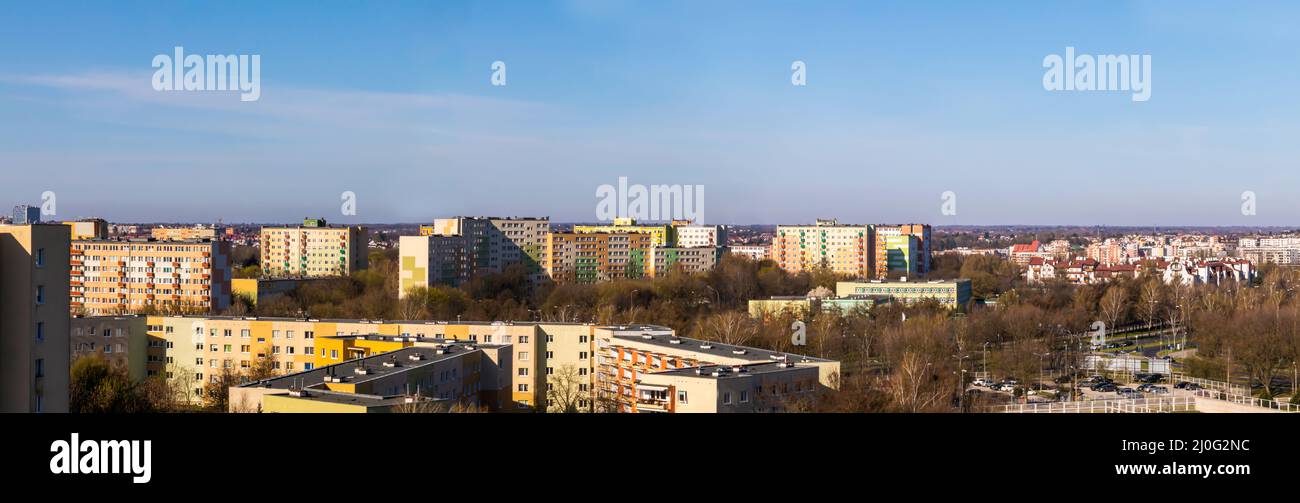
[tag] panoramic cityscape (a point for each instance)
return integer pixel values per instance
(562, 239)
(519, 314)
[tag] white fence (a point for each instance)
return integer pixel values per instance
(1138, 405)
(1247, 400)
(1210, 384)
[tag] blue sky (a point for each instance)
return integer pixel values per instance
(904, 100)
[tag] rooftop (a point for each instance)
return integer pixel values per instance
(369, 368)
(726, 371)
(660, 336)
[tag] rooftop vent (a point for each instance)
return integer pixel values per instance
(416, 357)
(738, 369)
(390, 364)
(706, 346)
(674, 341)
(361, 371)
(647, 336)
(738, 351)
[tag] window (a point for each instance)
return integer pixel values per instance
(40, 331)
(582, 355)
(40, 294)
(40, 367)
(681, 396)
(242, 333)
(726, 398)
(523, 356)
(523, 371)
(523, 339)
(40, 257)
(744, 397)
(523, 387)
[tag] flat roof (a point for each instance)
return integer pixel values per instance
(726, 371)
(374, 366)
(710, 347)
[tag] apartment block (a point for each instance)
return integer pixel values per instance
(690, 260)
(894, 253)
(112, 276)
(593, 257)
(847, 250)
(313, 250)
(650, 369)
(34, 319)
(431, 376)
(122, 341)
(661, 234)
(454, 250)
(754, 252)
(700, 236)
(164, 233)
(898, 254)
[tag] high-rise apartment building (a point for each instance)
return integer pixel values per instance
(888, 238)
(164, 233)
(112, 276)
(690, 260)
(699, 236)
(847, 250)
(593, 257)
(313, 250)
(661, 234)
(454, 250)
(34, 319)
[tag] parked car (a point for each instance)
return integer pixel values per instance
(1126, 393)
(981, 382)
(1104, 387)
(1159, 390)
(1007, 387)
(1145, 387)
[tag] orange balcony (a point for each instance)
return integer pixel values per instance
(149, 274)
(74, 263)
(207, 254)
(148, 264)
(75, 251)
(121, 263)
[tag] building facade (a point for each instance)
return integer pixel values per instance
(313, 250)
(454, 250)
(34, 319)
(593, 257)
(690, 260)
(954, 294)
(129, 276)
(122, 341)
(700, 236)
(847, 250)
(890, 240)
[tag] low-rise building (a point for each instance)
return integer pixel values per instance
(430, 376)
(954, 294)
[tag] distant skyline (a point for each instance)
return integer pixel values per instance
(904, 101)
